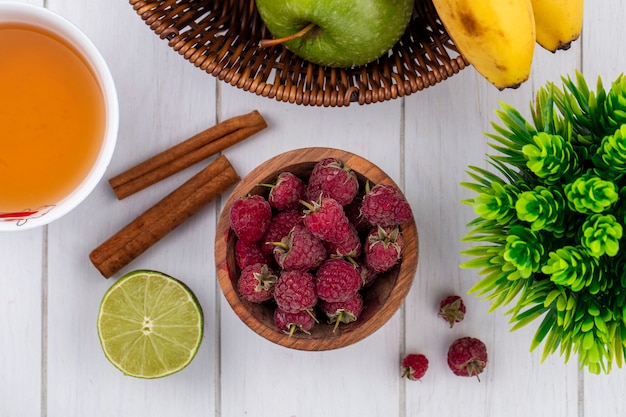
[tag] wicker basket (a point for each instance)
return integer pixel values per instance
(221, 37)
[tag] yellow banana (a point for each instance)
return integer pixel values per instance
(496, 36)
(557, 22)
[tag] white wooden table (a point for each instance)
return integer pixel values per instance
(51, 363)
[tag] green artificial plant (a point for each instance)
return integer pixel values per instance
(549, 236)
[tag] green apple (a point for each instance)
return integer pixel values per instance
(336, 33)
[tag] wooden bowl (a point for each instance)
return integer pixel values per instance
(380, 301)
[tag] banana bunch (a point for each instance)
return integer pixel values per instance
(498, 37)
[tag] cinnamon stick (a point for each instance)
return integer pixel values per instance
(151, 226)
(200, 146)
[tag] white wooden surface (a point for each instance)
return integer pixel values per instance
(51, 363)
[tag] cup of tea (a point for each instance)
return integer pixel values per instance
(59, 116)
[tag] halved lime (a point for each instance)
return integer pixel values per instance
(150, 324)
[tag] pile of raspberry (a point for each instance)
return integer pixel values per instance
(310, 246)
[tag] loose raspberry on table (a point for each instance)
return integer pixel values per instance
(290, 323)
(250, 216)
(326, 220)
(452, 309)
(467, 356)
(337, 280)
(383, 248)
(286, 192)
(414, 366)
(281, 225)
(248, 253)
(332, 178)
(256, 283)
(385, 205)
(299, 250)
(343, 311)
(295, 291)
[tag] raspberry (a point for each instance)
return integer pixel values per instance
(349, 248)
(291, 322)
(250, 217)
(337, 280)
(467, 356)
(299, 250)
(295, 291)
(250, 253)
(281, 225)
(353, 213)
(414, 366)
(383, 248)
(326, 220)
(286, 192)
(256, 283)
(343, 311)
(332, 178)
(385, 205)
(452, 309)
(368, 276)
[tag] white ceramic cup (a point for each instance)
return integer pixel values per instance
(21, 13)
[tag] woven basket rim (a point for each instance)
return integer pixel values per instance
(221, 38)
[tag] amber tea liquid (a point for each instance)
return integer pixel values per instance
(52, 118)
